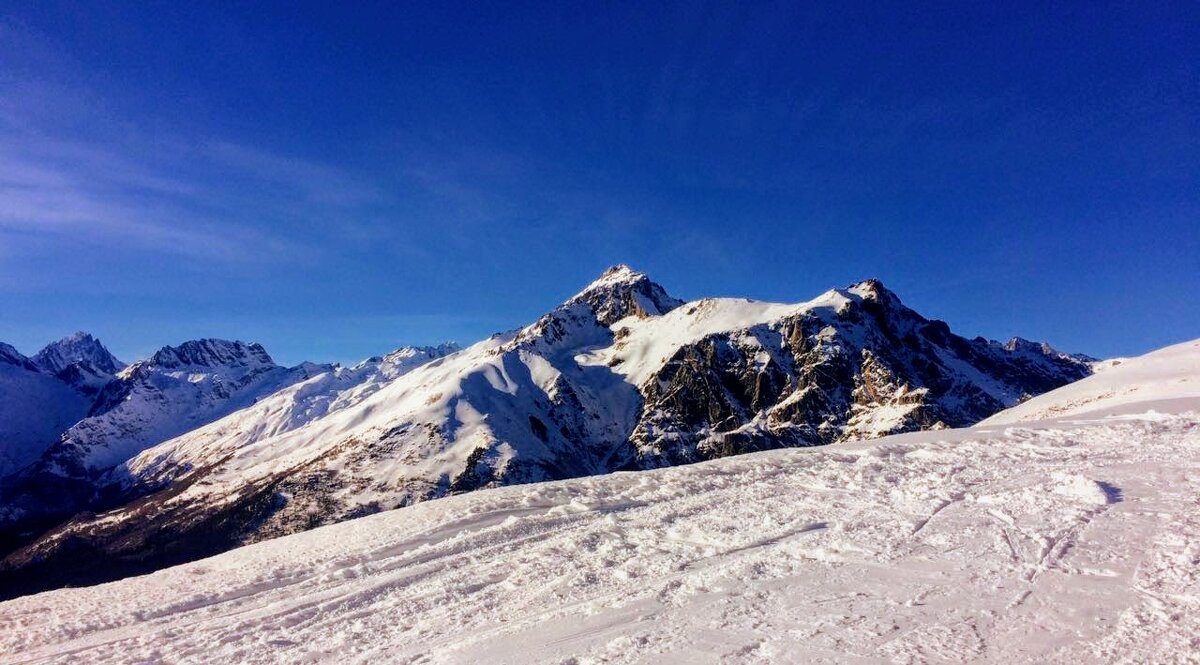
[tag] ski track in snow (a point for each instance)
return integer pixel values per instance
(1070, 541)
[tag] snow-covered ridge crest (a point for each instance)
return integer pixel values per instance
(211, 354)
(643, 346)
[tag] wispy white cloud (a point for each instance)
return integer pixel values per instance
(73, 171)
(100, 200)
(315, 183)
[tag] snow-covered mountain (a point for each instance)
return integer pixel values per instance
(176, 390)
(172, 392)
(1065, 541)
(79, 360)
(621, 376)
(180, 390)
(42, 396)
(294, 406)
(79, 347)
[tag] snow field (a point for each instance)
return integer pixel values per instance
(1058, 543)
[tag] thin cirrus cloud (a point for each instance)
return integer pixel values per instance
(101, 208)
(316, 183)
(176, 200)
(74, 172)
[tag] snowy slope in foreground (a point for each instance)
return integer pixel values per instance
(1065, 541)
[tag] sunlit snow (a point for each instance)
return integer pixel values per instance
(1067, 540)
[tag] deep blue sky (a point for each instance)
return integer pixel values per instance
(335, 179)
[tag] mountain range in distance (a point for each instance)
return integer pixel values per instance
(112, 469)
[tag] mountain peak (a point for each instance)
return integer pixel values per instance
(212, 353)
(408, 355)
(873, 293)
(1020, 345)
(619, 273)
(78, 347)
(870, 288)
(622, 291)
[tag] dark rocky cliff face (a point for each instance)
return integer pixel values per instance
(875, 368)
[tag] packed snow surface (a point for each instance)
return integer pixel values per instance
(1066, 540)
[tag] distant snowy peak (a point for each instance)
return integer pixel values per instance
(35, 408)
(411, 356)
(1020, 345)
(78, 348)
(211, 354)
(620, 292)
(379, 369)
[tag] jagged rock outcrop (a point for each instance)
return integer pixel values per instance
(861, 365)
(79, 360)
(80, 347)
